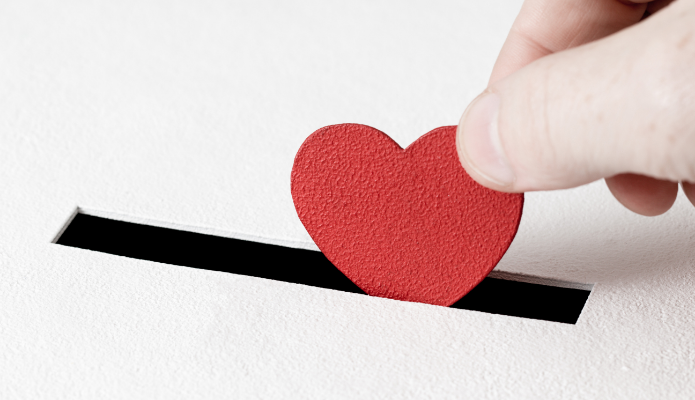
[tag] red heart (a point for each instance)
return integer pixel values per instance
(404, 224)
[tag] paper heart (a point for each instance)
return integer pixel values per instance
(404, 224)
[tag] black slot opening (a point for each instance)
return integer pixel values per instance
(196, 250)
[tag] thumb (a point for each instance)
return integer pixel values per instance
(623, 104)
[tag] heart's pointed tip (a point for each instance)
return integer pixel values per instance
(418, 299)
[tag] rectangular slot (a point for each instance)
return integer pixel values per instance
(505, 294)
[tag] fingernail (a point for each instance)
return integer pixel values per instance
(479, 140)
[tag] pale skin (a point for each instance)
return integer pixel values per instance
(585, 90)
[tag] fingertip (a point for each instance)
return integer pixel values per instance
(642, 194)
(478, 144)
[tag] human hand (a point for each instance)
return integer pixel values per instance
(590, 89)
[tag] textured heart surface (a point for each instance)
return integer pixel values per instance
(407, 224)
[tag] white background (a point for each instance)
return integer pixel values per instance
(188, 114)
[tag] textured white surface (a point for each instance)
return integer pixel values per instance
(189, 115)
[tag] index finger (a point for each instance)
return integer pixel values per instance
(544, 27)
